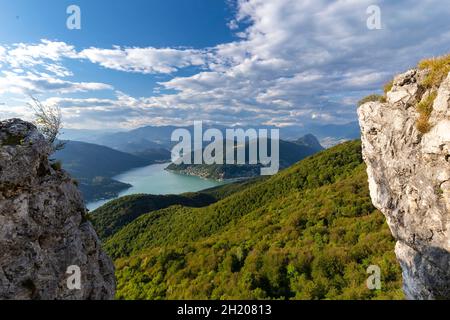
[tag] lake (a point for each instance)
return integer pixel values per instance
(153, 179)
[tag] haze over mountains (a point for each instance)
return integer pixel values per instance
(154, 136)
(98, 156)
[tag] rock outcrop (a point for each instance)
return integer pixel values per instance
(45, 237)
(409, 178)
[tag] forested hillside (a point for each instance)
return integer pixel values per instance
(309, 232)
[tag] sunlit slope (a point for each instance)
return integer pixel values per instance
(309, 232)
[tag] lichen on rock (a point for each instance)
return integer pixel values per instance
(43, 230)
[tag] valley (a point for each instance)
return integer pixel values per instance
(305, 233)
(130, 163)
(250, 151)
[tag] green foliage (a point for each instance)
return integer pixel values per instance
(109, 218)
(226, 190)
(376, 97)
(56, 165)
(370, 98)
(12, 140)
(425, 108)
(438, 191)
(170, 224)
(438, 69)
(388, 87)
(100, 188)
(309, 232)
(115, 214)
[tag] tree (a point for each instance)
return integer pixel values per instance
(48, 119)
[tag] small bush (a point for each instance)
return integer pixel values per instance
(388, 87)
(426, 105)
(423, 125)
(370, 98)
(57, 165)
(48, 119)
(438, 191)
(86, 217)
(425, 108)
(438, 70)
(12, 141)
(376, 97)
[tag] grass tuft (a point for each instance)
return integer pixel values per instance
(425, 108)
(57, 165)
(438, 67)
(370, 98)
(388, 87)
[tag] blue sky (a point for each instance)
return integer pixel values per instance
(155, 62)
(170, 23)
(193, 23)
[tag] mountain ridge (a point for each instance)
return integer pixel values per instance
(310, 227)
(290, 152)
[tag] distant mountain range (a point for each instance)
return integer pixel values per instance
(94, 165)
(150, 137)
(100, 155)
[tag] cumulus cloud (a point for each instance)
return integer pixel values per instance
(293, 62)
(144, 60)
(2, 55)
(297, 59)
(37, 68)
(23, 55)
(31, 83)
(233, 25)
(46, 54)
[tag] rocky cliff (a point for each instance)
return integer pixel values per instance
(409, 177)
(45, 238)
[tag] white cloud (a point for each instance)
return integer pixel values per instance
(144, 60)
(296, 61)
(22, 54)
(38, 68)
(233, 25)
(2, 55)
(300, 54)
(31, 83)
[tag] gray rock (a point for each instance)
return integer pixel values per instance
(409, 179)
(43, 229)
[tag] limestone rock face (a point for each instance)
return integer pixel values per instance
(43, 229)
(409, 178)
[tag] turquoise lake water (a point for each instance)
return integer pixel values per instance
(153, 179)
